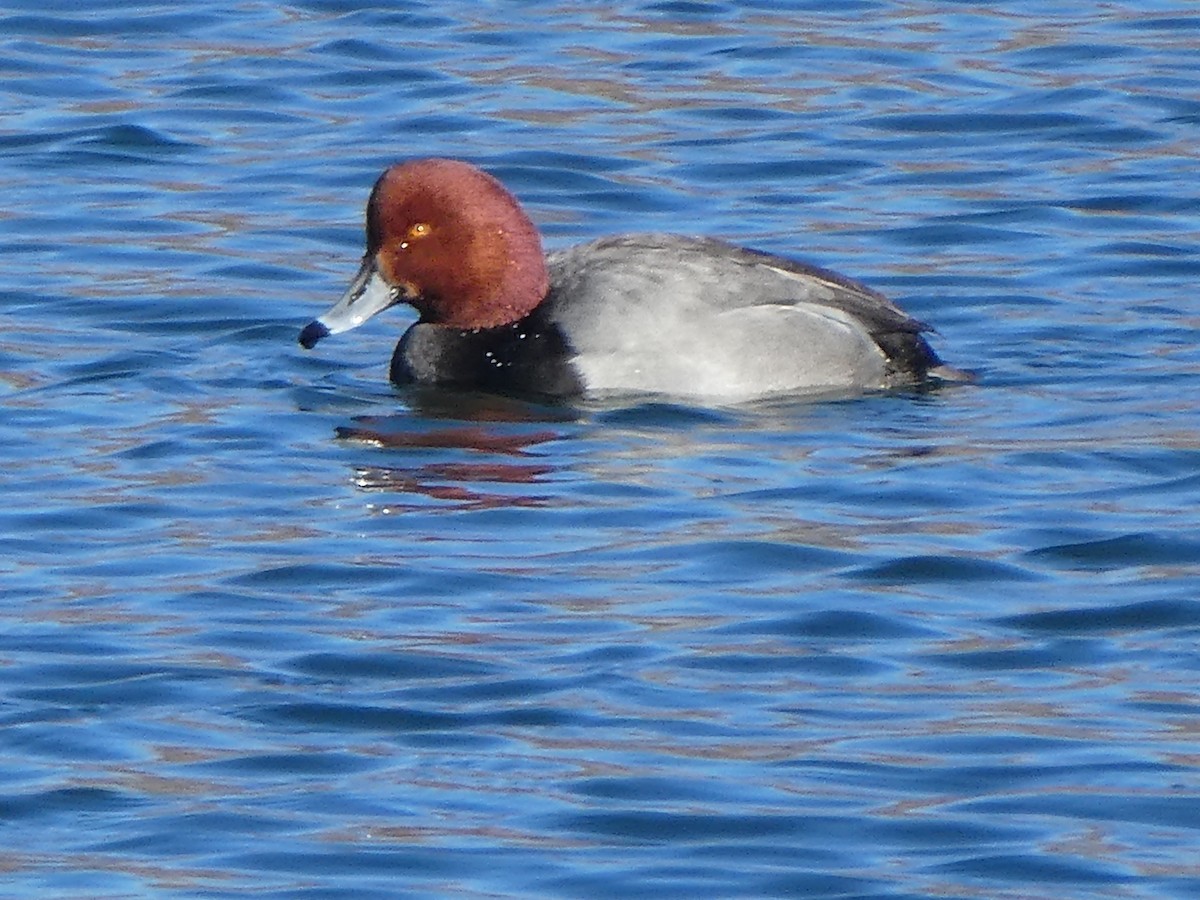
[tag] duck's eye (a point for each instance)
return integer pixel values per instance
(415, 232)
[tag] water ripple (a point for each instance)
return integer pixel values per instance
(274, 628)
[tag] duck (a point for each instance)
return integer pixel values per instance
(692, 317)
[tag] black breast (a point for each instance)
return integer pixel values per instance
(529, 357)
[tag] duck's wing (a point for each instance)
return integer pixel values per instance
(649, 282)
(829, 288)
(729, 276)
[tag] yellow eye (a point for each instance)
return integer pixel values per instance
(418, 230)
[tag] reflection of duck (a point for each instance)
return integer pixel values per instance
(643, 312)
(450, 481)
(471, 438)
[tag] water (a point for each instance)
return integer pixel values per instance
(273, 629)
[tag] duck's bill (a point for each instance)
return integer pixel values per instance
(367, 296)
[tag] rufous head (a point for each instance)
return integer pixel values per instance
(449, 239)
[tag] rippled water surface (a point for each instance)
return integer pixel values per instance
(272, 628)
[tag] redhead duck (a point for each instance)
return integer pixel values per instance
(657, 313)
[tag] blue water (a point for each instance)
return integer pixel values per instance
(274, 629)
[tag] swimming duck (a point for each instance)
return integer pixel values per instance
(648, 313)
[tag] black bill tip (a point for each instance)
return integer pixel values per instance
(311, 333)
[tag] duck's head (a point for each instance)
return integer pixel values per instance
(448, 239)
